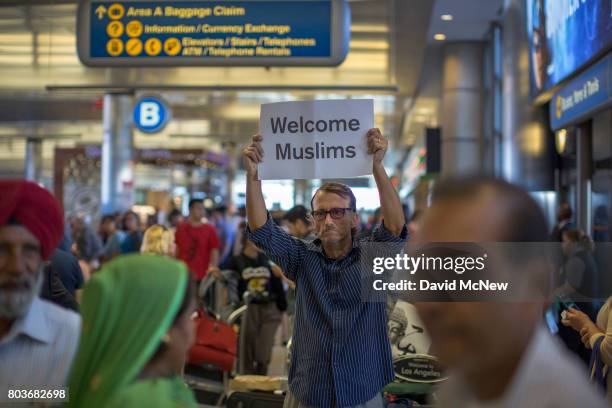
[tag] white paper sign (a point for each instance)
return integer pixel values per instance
(316, 139)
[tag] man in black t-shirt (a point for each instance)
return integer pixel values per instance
(260, 288)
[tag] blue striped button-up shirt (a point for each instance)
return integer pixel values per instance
(341, 354)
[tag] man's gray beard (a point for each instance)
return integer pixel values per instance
(16, 303)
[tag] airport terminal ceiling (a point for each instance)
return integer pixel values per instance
(47, 93)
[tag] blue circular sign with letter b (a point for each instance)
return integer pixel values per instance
(150, 115)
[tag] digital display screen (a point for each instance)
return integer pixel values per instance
(565, 35)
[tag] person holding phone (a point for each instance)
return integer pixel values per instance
(577, 279)
(597, 337)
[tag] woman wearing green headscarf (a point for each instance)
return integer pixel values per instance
(137, 330)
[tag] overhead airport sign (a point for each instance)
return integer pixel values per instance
(224, 32)
(583, 96)
(151, 115)
(316, 139)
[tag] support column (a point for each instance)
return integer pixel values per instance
(302, 192)
(117, 181)
(584, 174)
(234, 157)
(33, 160)
(462, 109)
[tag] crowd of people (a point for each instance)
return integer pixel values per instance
(109, 312)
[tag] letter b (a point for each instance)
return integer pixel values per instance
(149, 114)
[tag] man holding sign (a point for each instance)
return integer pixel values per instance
(341, 355)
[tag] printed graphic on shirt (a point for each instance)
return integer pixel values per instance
(257, 282)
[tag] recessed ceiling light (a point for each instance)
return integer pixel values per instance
(439, 37)
(446, 17)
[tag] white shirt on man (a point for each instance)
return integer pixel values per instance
(38, 350)
(547, 377)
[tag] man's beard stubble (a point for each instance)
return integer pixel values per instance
(15, 303)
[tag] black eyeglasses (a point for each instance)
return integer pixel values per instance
(336, 213)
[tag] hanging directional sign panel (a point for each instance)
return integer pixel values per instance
(224, 32)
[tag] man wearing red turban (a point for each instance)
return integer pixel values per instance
(38, 339)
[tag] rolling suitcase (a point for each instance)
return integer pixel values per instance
(254, 399)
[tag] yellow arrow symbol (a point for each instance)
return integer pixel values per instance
(100, 12)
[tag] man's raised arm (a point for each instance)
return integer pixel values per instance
(276, 243)
(252, 155)
(391, 207)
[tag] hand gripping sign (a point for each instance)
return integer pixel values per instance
(316, 139)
